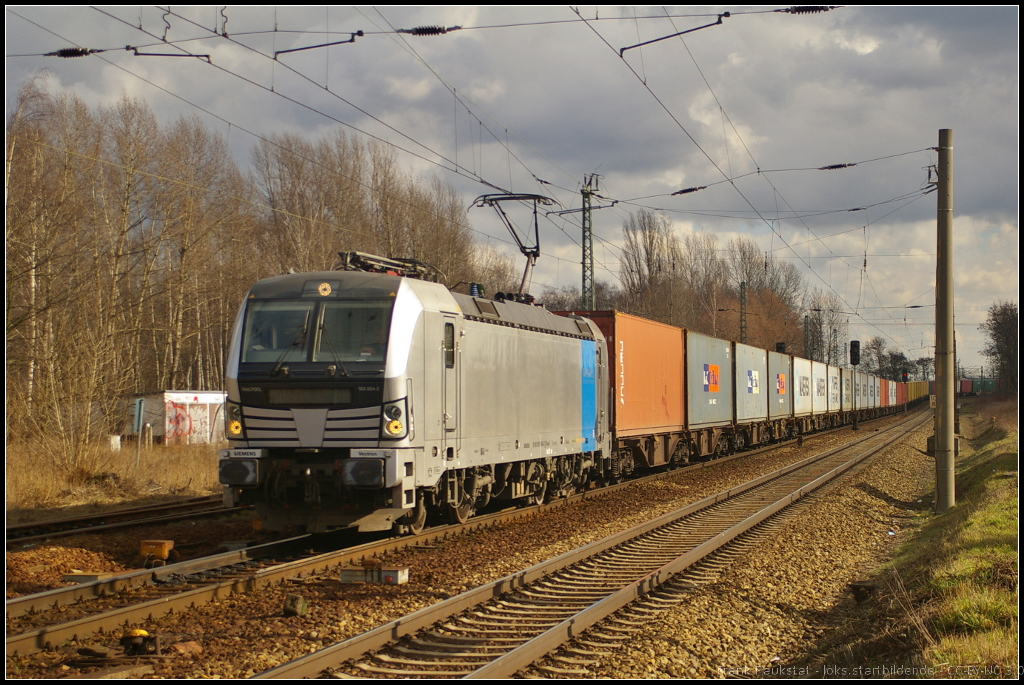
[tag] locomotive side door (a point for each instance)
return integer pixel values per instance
(450, 402)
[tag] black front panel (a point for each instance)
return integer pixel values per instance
(259, 392)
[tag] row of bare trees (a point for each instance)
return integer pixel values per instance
(129, 245)
(693, 282)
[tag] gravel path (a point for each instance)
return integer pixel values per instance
(774, 612)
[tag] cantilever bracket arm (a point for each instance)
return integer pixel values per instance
(724, 14)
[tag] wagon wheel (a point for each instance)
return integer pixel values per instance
(538, 495)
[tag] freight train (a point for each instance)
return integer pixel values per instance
(373, 398)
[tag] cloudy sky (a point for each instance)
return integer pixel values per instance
(530, 100)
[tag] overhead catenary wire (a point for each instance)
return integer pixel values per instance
(449, 166)
(567, 225)
(271, 142)
(682, 128)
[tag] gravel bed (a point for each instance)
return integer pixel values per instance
(245, 634)
(766, 615)
(40, 567)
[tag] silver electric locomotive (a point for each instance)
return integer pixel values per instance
(372, 398)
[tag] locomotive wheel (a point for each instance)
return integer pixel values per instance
(416, 520)
(462, 512)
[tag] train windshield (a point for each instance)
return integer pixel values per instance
(288, 331)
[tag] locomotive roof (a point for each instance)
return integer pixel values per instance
(364, 285)
(343, 284)
(521, 316)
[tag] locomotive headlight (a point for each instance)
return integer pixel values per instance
(395, 422)
(233, 420)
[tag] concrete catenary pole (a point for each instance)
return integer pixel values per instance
(945, 466)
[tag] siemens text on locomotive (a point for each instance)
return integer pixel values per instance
(372, 398)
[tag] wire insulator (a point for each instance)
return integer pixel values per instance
(807, 9)
(830, 167)
(429, 30)
(71, 52)
(689, 190)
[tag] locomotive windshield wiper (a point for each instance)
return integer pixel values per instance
(300, 338)
(326, 336)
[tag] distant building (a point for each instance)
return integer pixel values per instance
(182, 417)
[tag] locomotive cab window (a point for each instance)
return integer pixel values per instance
(288, 331)
(277, 331)
(449, 346)
(353, 332)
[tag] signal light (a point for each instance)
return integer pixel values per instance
(854, 352)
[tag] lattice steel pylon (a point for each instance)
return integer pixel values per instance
(587, 300)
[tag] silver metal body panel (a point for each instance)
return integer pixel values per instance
(520, 395)
(751, 383)
(780, 386)
(709, 381)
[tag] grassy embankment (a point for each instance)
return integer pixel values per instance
(961, 573)
(52, 481)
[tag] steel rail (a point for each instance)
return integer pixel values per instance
(524, 655)
(25, 532)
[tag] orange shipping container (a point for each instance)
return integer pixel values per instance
(647, 373)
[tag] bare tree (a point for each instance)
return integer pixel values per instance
(704, 272)
(825, 328)
(495, 270)
(873, 354)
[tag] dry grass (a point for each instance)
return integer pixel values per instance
(49, 481)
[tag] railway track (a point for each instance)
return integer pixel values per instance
(503, 627)
(49, 618)
(23, 533)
